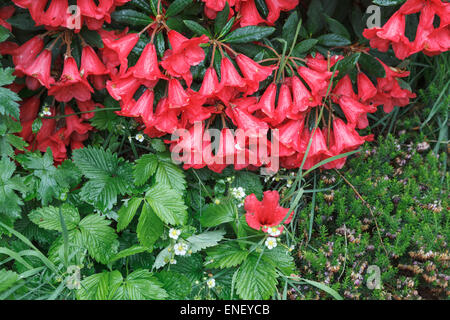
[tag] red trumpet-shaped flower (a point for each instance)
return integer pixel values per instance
(266, 213)
(253, 72)
(91, 63)
(116, 50)
(24, 55)
(184, 54)
(71, 84)
(147, 66)
(40, 69)
(177, 97)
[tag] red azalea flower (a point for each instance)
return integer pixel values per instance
(74, 123)
(250, 15)
(124, 88)
(355, 112)
(24, 55)
(265, 213)
(91, 63)
(253, 72)
(184, 54)
(177, 97)
(344, 139)
(366, 88)
(142, 108)
(147, 66)
(57, 13)
(267, 102)
(117, 48)
(229, 75)
(303, 98)
(71, 84)
(40, 69)
(344, 87)
(210, 85)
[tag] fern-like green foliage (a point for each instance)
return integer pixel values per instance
(108, 176)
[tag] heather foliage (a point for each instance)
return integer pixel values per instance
(233, 149)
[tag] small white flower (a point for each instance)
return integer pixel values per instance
(271, 243)
(211, 283)
(173, 261)
(180, 249)
(174, 233)
(273, 231)
(217, 201)
(46, 111)
(139, 137)
(291, 248)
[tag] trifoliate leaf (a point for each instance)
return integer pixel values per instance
(108, 176)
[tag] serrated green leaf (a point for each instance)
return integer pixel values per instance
(150, 227)
(98, 237)
(256, 279)
(205, 240)
(142, 285)
(48, 217)
(127, 212)
(170, 174)
(145, 167)
(215, 214)
(7, 279)
(226, 255)
(167, 204)
(101, 286)
(108, 176)
(176, 285)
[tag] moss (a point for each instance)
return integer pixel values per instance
(405, 234)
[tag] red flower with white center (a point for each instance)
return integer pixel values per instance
(266, 213)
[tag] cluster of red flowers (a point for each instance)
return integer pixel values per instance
(290, 105)
(58, 13)
(248, 11)
(429, 39)
(56, 134)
